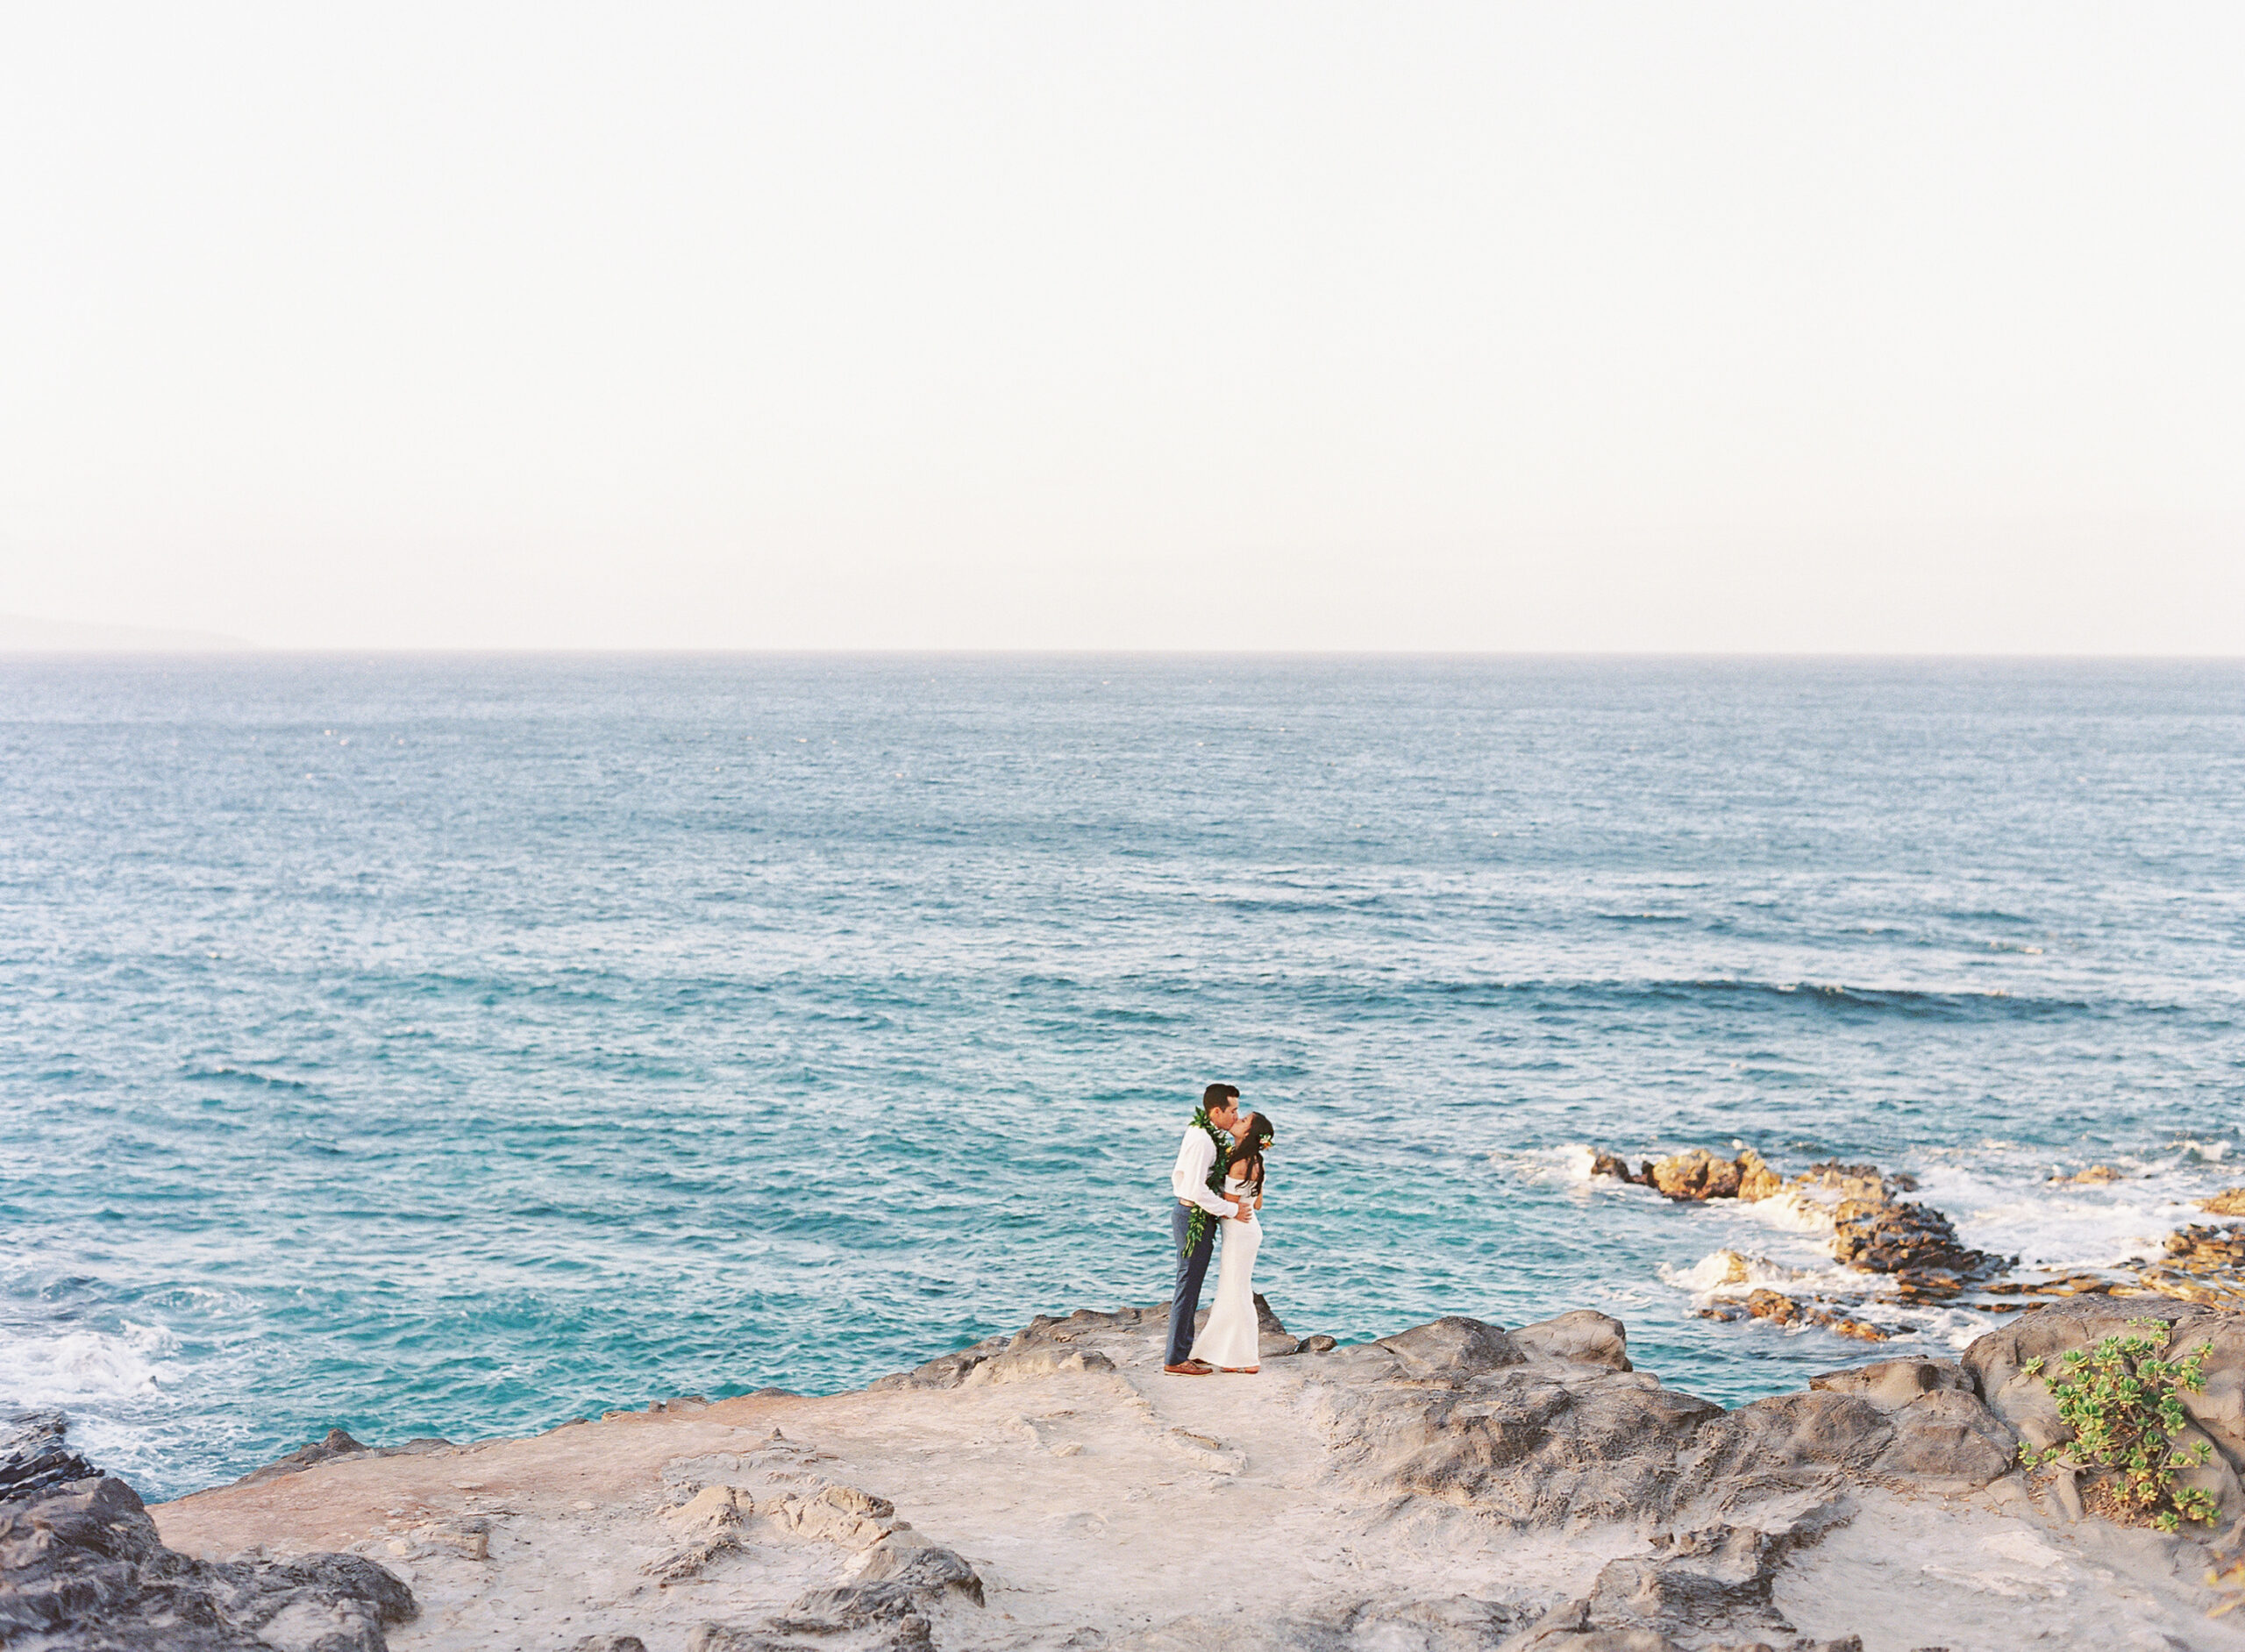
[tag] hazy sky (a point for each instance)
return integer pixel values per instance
(1784, 326)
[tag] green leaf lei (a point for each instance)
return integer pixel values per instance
(1198, 1224)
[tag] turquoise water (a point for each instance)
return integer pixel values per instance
(460, 1045)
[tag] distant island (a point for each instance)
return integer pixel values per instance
(23, 634)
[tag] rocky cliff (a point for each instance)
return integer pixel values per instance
(1457, 1486)
(81, 1566)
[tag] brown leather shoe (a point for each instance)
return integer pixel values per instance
(1190, 1368)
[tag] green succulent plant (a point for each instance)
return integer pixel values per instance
(2123, 1403)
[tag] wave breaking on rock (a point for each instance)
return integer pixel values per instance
(1906, 1254)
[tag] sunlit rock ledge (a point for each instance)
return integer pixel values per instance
(1456, 1485)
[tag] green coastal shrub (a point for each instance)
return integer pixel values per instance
(2122, 1402)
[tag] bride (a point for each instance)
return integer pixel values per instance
(1230, 1341)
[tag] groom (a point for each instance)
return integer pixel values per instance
(1189, 1182)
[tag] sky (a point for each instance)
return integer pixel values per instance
(1790, 327)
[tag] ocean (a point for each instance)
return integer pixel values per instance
(453, 1045)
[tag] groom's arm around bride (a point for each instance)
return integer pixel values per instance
(1196, 1161)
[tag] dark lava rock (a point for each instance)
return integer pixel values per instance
(1043, 1331)
(1565, 1440)
(1265, 1321)
(80, 1556)
(1772, 1304)
(337, 1444)
(1864, 1180)
(1904, 1238)
(1602, 1163)
(1895, 1382)
(1528, 1447)
(1696, 1175)
(35, 1457)
(1582, 1337)
(1702, 1175)
(2208, 1248)
(1451, 1346)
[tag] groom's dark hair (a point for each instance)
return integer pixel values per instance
(1216, 1094)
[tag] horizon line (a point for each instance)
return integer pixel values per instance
(247, 650)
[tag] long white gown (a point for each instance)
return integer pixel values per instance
(1231, 1338)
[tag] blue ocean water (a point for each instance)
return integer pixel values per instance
(458, 1045)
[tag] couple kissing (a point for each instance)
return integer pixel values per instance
(1218, 1180)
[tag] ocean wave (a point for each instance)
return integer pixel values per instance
(79, 1368)
(1732, 1274)
(1920, 1003)
(1795, 1210)
(1569, 1165)
(244, 1075)
(1283, 906)
(2053, 1223)
(1915, 1003)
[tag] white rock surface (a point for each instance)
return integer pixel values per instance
(1076, 1496)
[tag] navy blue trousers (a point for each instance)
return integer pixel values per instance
(1191, 1270)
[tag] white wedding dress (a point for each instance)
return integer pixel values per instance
(1231, 1338)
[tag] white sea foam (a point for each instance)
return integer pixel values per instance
(127, 1403)
(79, 1368)
(1569, 1165)
(1733, 1273)
(1704, 1277)
(1792, 1211)
(2056, 1224)
(1950, 1327)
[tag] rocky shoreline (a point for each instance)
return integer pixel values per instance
(1454, 1486)
(1909, 1253)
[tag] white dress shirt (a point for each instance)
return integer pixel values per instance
(1189, 1181)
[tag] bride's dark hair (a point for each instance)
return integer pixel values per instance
(1247, 1147)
